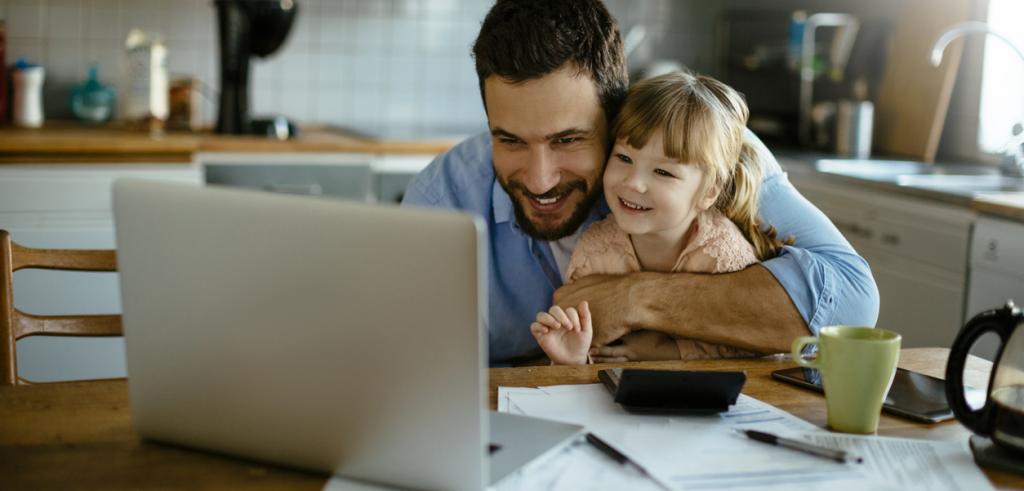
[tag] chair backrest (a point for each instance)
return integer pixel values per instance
(15, 324)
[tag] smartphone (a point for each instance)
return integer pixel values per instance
(913, 395)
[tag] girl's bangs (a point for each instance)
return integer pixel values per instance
(691, 135)
(686, 126)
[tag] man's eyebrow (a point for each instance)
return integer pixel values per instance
(502, 133)
(568, 132)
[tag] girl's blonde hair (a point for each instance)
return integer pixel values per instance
(703, 122)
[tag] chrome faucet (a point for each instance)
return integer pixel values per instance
(1012, 162)
(848, 26)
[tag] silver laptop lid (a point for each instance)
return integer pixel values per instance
(319, 334)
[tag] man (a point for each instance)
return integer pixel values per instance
(552, 76)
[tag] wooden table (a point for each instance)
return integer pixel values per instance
(79, 434)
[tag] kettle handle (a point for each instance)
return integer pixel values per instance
(990, 321)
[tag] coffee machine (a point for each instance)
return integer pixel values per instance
(246, 28)
(998, 441)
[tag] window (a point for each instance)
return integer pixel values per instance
(1002, 82)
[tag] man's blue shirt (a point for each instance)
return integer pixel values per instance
(826, 279)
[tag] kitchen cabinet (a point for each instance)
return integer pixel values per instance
(352, 176)
(336, 175)
(917, 250)
(393, 173)
(997, 270)
(69, 206)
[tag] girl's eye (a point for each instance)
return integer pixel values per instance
(624, 158)
(662, 172)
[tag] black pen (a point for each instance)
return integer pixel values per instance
(621, 458)
(828, 453)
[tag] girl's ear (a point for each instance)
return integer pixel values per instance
(709, 198)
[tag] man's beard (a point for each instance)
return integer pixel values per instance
(516, 190)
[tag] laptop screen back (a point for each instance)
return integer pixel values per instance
(318, 334)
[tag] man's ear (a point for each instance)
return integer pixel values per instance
(709, 198)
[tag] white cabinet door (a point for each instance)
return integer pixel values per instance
(997, 272)
(68, 207)
(921, 302)
(917, 250)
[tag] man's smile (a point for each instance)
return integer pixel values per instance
(549, 204)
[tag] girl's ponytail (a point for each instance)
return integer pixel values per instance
(739, 201)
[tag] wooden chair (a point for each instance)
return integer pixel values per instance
(15, 324)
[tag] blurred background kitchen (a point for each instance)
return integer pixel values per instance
(917, 162)
(403, 66)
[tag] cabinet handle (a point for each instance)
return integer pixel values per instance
(891, 239)
(864, 233)
(303, 189)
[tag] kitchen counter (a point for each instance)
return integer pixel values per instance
(70, 143)
(1004, 205)
(971, 186)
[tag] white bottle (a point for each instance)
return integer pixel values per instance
(28, 95)
(146, 81)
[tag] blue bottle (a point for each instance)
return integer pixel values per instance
(91, 101)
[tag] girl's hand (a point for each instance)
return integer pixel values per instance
(638, 346)
(565, 335)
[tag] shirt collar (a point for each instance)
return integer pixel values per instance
(502, 204)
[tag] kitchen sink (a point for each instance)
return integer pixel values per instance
(871, 168)
(964, 180)
(978, 183)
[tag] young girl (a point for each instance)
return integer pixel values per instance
(682, 184)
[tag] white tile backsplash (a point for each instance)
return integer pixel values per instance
(64, 21)
(25, 19)
(147, 15)
(67, 61)
(265, 101)
(106, 54)
(331, 105)
(367, 64)
(181, 23)
(29, 48)
(370, 35)
(334, 68)
(102, 20)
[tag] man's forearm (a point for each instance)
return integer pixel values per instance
(748, 309)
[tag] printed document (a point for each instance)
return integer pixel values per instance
(703, 452)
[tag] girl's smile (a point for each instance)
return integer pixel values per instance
(631, 207)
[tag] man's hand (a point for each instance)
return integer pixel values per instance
(638, 346)
(608, 296)
(565, 335)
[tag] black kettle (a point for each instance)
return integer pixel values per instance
(1002, 417)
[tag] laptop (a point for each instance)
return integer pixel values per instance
(325, 335)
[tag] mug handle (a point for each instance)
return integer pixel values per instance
(976, 420)
(798, 347)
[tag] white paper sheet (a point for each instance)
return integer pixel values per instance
(579, 466)
(703, 452)
(911, 463)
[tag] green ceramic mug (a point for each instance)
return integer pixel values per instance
(857, 365)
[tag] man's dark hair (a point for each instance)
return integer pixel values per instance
(524, 40)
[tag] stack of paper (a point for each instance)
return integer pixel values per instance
(703, 452)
